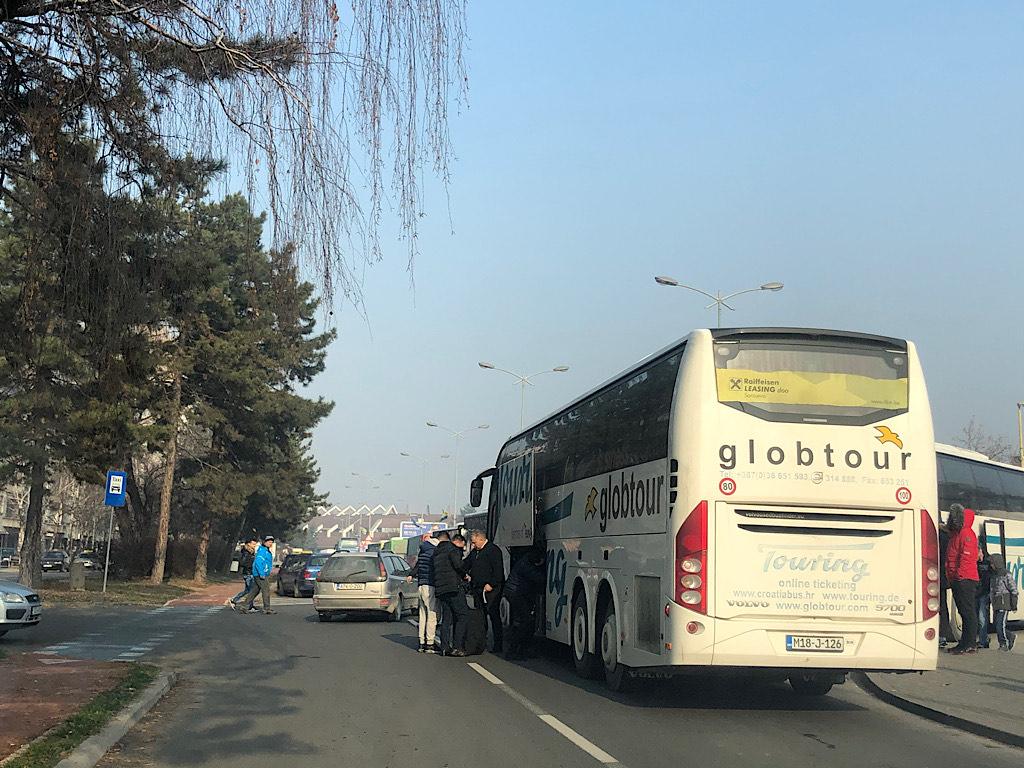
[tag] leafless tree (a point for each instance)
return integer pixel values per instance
(334, 112)
(974, 437)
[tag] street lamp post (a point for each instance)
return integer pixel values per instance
(717, 299)
(369, 487)
(523, 382)
(1020, 433)
(457, 434)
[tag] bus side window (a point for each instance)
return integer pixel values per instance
(995, 537)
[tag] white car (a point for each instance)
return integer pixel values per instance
(19, 607)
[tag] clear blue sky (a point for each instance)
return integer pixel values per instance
(870, 156)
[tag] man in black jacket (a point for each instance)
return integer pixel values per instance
(245, 558)
(525, 582)
(449, 575)
(487, 578)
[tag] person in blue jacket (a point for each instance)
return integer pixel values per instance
(261, 566)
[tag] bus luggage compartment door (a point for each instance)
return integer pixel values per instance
(815, 563)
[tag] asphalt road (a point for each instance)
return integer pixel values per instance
(285, 689)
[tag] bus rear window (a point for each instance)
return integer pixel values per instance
(811, 381)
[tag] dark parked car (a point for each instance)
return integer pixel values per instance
(298, 574)
(56, 560)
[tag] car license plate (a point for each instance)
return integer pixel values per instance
(349, 586)
(815, 643)
(36, 611)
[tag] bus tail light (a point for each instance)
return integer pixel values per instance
(929, 566)
(691, 578)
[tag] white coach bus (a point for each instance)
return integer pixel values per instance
(995, 492)
(758, 497)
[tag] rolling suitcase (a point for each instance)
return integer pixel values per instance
(476, 629)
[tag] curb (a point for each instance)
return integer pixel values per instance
(92, 750)
(872, 688)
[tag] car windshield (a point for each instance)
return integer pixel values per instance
(317, 561)
(350, 570)
(54, 554)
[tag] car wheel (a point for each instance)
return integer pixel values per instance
(324, 616)
(587, 664)
(810, 684)
(399, 611)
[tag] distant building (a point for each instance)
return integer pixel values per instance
(375, 523)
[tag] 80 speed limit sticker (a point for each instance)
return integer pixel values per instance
(727, 486)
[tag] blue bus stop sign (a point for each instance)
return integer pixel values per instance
(116, 488)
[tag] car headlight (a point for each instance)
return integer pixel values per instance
(11, 597)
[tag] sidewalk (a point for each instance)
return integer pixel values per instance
(985, 688)
(37, 693)
(214, 594)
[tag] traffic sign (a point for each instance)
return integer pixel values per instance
(117, 483)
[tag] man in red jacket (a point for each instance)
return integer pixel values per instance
(962, 572)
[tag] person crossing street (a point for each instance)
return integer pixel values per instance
(262, 564)
(245, 558)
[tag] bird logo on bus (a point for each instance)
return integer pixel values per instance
(886, 435)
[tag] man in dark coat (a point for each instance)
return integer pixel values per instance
(245, 558)
(525, 581)
(449, 576)
(487, 578)
(945, 632)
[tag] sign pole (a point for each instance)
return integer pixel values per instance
(110, 535)
(114, 497)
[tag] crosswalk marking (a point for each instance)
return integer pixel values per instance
(167, 622)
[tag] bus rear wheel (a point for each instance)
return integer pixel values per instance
(587, 664)
(616, 674)
(811, 684)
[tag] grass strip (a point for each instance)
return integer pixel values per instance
(50, 749)
(118, 593)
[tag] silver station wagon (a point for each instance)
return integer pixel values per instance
(364, 582)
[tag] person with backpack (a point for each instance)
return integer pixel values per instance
(962, 571)
(1004, 599)
(245, 558)
(262, 564)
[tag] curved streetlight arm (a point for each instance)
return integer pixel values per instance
(697, 290)
(526, 379)
(740, 293)
(510, 373)
(446, 429)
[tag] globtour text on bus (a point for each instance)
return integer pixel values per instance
(728, 456)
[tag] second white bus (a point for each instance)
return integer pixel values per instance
(757, 497)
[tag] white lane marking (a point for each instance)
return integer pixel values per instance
(568, 733)
(587, 746)
(485, 674)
